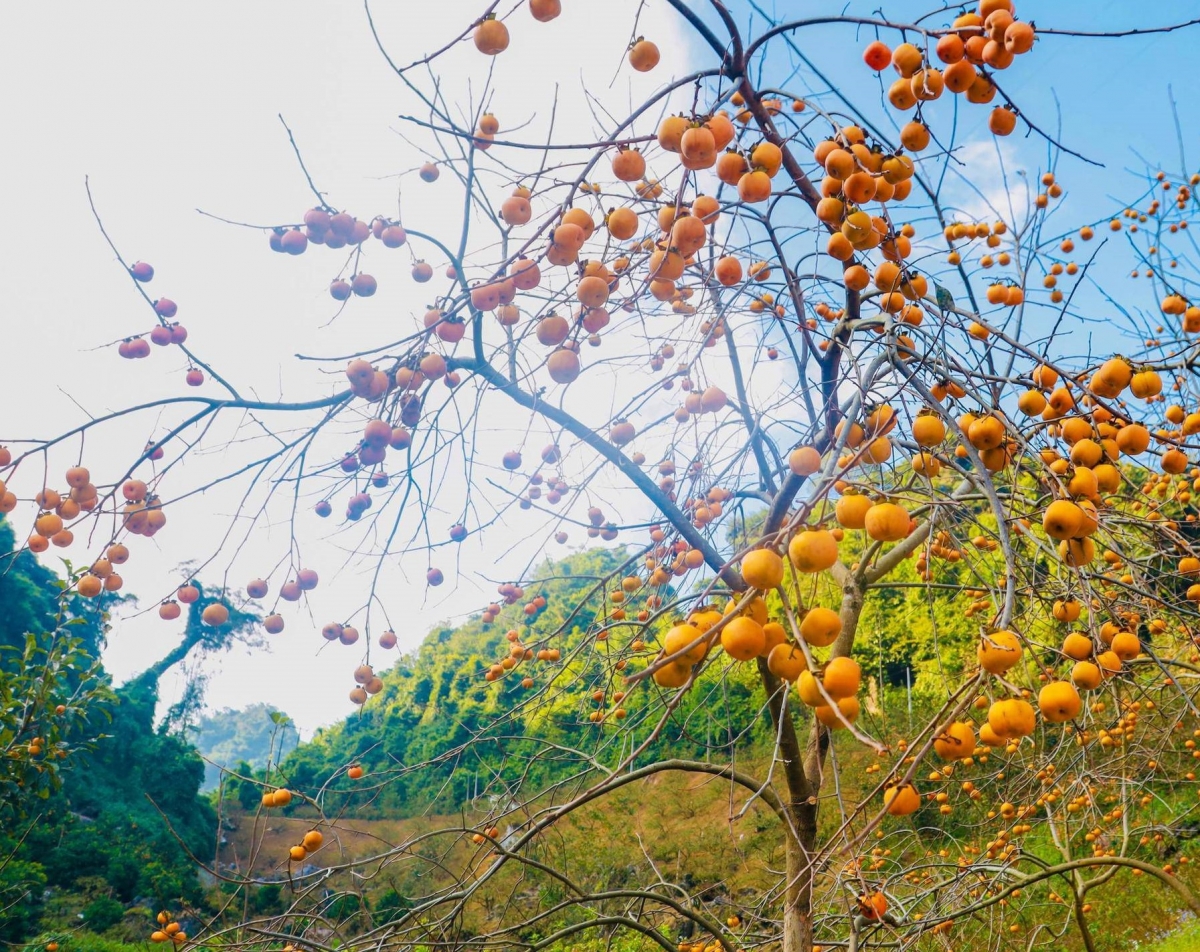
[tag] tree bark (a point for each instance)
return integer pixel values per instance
(803, 809)
(1081, 921)
(797, 908)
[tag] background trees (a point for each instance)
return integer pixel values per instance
(747, 332)
(100, 796)
(50, 643)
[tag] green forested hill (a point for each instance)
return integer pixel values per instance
(439, 736)
(437, 699)
(126, 817)
(113, 845)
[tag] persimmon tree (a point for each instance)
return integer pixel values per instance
(52, 688)
(748, 333)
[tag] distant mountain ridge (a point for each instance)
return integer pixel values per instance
(228, 737)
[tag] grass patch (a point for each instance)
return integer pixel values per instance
(1187, 939)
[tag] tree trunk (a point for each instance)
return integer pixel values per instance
(150, 677)
(1081, 919)
(797, 907)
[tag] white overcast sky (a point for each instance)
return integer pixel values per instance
(173, 107)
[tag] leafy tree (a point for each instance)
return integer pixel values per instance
(52, 689)
(268, 898)
(390, 905)
(241, 788)
(21, 887)
(102, 913)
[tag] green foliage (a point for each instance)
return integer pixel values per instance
(102, 913)
(83, 941)
(53, 692)
(29, 594)
(21, 885)
(120, 816)
(239, 788)
(437, 704)
(345, 905)
(268, 899)
(53, 701)
(141, 772)
(390, 905)
(119, 807)
(1186, 939)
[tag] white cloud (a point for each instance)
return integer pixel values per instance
(991, 182)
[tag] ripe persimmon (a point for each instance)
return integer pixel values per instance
(215, 614)
(786, 662)
(999, 651)
(628, 165)
(836, 718)
(680, 637)
(841, 677)
(490, 36)
(545, 10)
(1012, 718)
(820, 626)
(643, 55)
(956, 741)
(743, 638)
(813, 550)
(886, 522)
(902, 800)
(1059, 701)
(877, 55)
(804, 460)
(763, 569)
(754, 186)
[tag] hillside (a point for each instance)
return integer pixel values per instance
(442, 748)
(444, 736)
(441, 736)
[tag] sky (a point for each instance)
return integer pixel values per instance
(167, 109)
